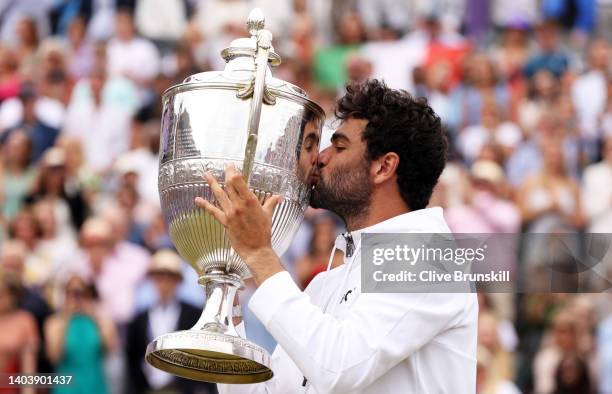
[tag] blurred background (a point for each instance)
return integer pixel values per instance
(88, 276)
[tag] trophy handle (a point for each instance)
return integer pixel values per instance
(263, 38)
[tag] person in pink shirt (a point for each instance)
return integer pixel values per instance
(484, 209)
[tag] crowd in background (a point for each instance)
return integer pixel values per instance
(88, 275)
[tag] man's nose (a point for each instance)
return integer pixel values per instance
(323, 158)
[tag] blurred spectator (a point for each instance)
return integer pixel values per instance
(500, 366)
(550, 199)
(156, 235)
(549, 56)
(597, 191)
(214, 16)
(445, 46)
(380, 16)
(10, 78)
(102, 20)
(54, 248)
(528, 158)
(485, 210)
(28, 39)
(25, 229)
(64, 193)
(129, 55)
(481, 85)
(487, 384)
(41, 117)
(14, 11)
(52, 75)
(524, 12)
(18, 174)
(20, 340)
(436, 86)
(541, 98)
(589, 94)
(491, 129)
(603, 13)
(604, 351)
(321, 244)
(578, 16)
(330, 63)
(78, 336)
(100, 121)
(572, 376)
(511, 54)
(168, 314)
(563, 341)
(77, 170)
(162, 21)
(65, 12)
(116, 265)
(358, 69)
(81, 48)
(13, 257)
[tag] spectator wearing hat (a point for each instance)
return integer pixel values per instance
(168, 314)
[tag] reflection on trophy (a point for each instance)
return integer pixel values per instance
(270, 130)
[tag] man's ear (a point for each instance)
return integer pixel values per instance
(385, 167)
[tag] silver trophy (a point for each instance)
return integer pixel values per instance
(270, 130)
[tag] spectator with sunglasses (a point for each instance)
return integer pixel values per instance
(78, 338)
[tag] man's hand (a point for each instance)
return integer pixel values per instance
(247, 222)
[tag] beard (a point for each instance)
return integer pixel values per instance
(346, 192)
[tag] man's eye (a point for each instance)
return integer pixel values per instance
(339, 148)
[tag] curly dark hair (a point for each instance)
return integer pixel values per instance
(399, 123)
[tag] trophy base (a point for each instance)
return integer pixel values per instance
(210, 357)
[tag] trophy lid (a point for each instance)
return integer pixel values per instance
(240, 67)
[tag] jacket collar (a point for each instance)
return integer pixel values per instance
(427, 220)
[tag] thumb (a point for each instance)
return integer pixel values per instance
(271, 203)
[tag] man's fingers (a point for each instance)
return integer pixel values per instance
(271, 203)
(235, 180)
(214, 211)
(218, 191)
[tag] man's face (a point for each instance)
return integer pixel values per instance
(309, 149)
(344, 184)
(166, 284)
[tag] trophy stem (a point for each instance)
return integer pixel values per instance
(221, 288)
(212, 351)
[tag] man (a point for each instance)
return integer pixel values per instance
(116, 265)
(378, 175)
(167, 315)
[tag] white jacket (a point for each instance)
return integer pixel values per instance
(334, 339)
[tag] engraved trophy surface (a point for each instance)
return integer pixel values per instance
(270, 130)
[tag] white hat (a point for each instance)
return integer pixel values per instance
(487, 170)
(166, 260)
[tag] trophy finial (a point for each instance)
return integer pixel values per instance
(256, 21)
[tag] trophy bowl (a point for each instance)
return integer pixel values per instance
(270, 130)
